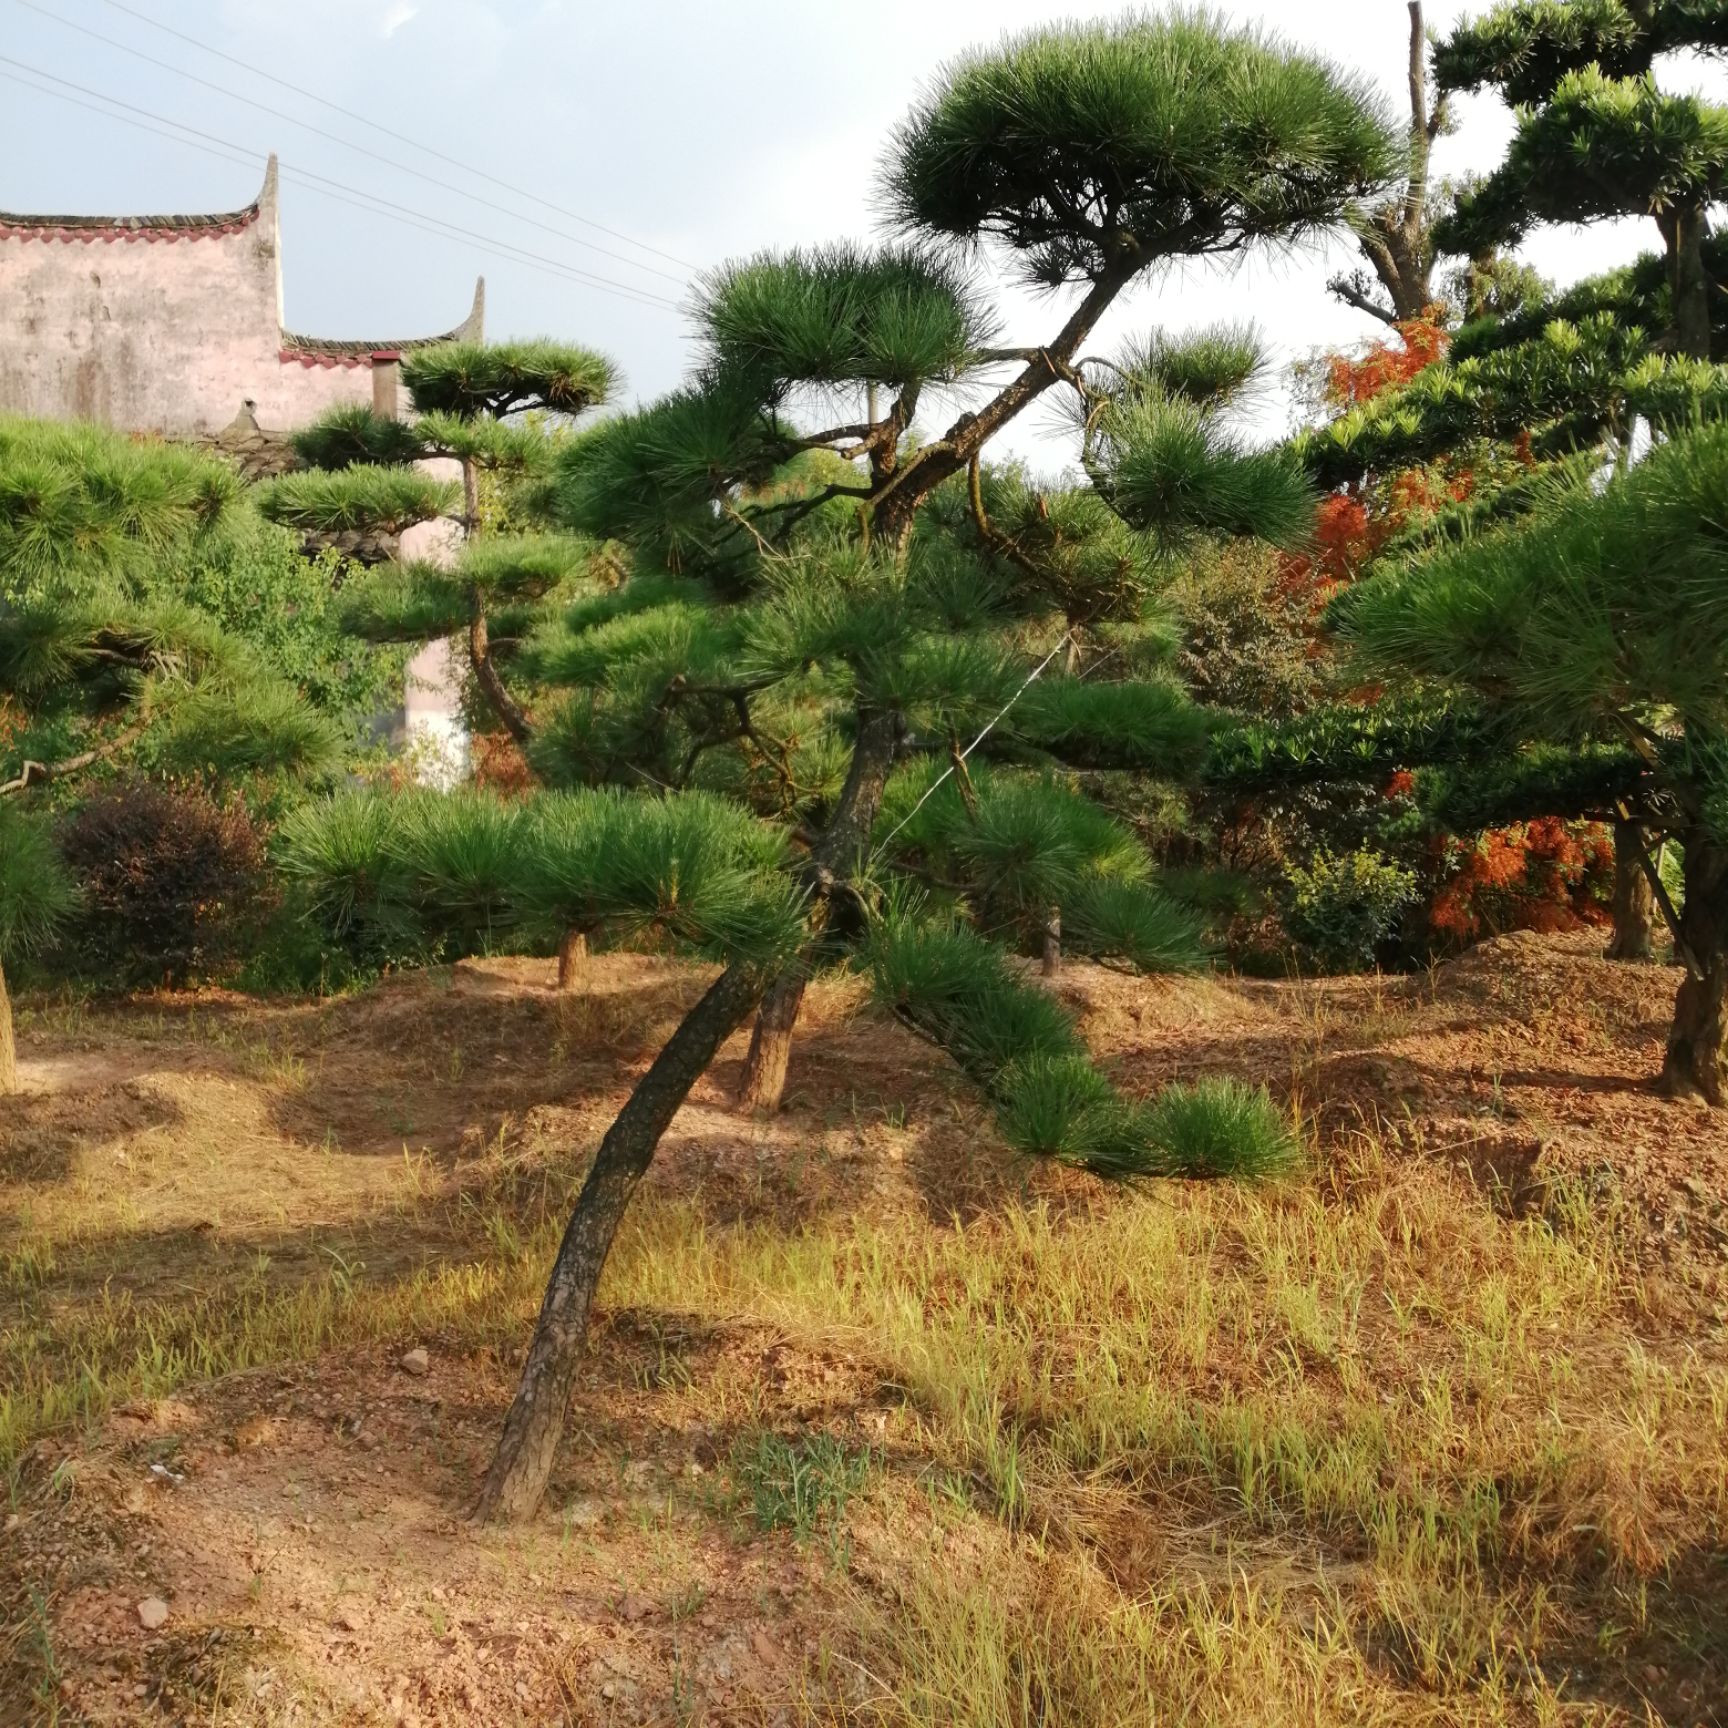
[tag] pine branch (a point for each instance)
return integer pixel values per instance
(37, 773)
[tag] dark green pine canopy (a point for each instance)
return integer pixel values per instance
(1601, 147)
(1094, 151)
(1526, 49)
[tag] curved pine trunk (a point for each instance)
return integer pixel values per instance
(8, 1043)
(522, 1464)
(1634, 903)
(1696, 1064)
(572, 957)
(763, 1084)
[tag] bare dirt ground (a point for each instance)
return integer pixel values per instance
(237, 1497)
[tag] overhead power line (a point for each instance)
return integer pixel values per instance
(347, 143)
(400, 137)
(228, 150)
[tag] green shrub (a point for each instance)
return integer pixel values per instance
(1338, 908)
(1220, 1127)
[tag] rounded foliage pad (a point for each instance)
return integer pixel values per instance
(1094, 150)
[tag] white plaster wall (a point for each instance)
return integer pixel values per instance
(164, 335)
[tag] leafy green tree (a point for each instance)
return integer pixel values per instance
(1603, 623)
(796, 626)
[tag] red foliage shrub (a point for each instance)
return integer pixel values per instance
(1543, 875)
(500, 766)
(170, 881)
(1352, 379)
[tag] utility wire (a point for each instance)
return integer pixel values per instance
(250, 160)
(990, 726)
(400, 137)
(346, 143)
(227, 150)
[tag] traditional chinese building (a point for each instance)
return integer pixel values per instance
(173, 325)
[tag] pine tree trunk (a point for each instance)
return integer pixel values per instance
(492, 687)
(764, 1080)
(834, 859)
(522, 1464)
(1697, 1061)
(1052, 963)
(1688, 280)
(572, 956)
(8, 1043)
(1634, 904)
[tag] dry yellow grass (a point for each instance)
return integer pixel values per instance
(1365, 1447)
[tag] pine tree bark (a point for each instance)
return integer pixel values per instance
(8, 1042)
(1052, 935)
(1634, 903)
(572, 956)
(522, 1464)
(1688, 281)
(763, 1084)
(834, 859)
(1696, 1064)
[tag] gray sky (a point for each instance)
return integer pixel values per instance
(701, 130)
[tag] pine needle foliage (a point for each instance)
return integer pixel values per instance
(843, 314)
(1600, 147)
(118, 639)
(1220, 1127)
(1090, 150)
(1603, 623)
(1597, 137)
(80, 504)
(1168, 466)
(354, 433)
(493, 379)
(1526, 49)
(359, 499)
(1213, 367)
(653, 476)
(36, 896)
(458, 872)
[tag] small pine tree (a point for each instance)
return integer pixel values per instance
(899, 658)
(360, 489)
